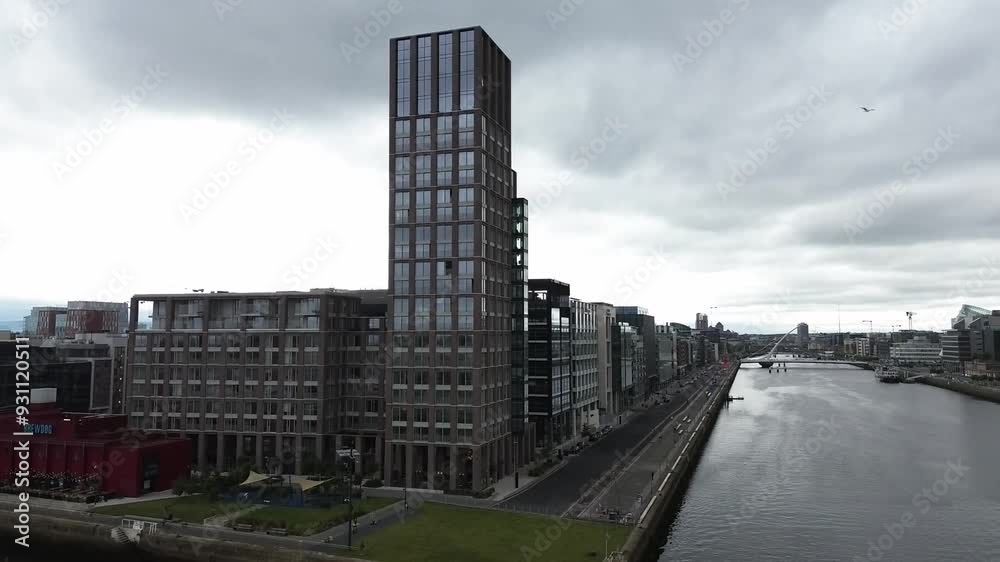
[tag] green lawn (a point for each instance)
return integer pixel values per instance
(309, 520)
(193, 509)
(443, 532)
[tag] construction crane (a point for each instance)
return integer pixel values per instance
(909, 316)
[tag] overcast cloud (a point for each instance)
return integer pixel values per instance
(741, 174)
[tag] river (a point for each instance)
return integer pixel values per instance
(829, 464)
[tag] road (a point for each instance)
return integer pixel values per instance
(559, 491)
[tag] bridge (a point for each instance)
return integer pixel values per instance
(771, 358)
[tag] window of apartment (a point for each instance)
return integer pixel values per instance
(465, 312)
(443, 204)
(442, 311)
(401, 277)
(423, 129)
(401, 318)
(422, 277)
(466, 203)
(422, 246)
(467, 47)
(466, 240)
(402, 207)
(466, 129)
(402, 135)
(466, 167)
(445, 131)
(424, 170)
(444, 167)
(422, 314)
(446, 65)
(423, 75)
(423, 214)
(403, 77)
(402, 242)
(402, 172)
(444, 249)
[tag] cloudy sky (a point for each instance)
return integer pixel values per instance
(684, 156)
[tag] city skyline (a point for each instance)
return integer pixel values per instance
(671, 222)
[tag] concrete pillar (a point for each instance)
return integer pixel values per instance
(319, 449)
(220, 449)
(378, 452)
(260, 452)
(453, 476)
(277, 449)
(339, 440)
(387, 465)
(298, 454)
(409, 465)
(239, 447)
(202, 461)
(431, 452)
(477, 468)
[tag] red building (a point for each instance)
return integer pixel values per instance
(130, 463)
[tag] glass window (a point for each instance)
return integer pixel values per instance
(402, 135)
(445, 129)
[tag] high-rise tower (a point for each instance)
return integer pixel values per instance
(448, 420)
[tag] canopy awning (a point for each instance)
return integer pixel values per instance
(301, 481)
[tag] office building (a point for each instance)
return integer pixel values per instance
(604, 314)
(627, 367)
(276, 380)
(956, 349)
(83, 374)
(583, 335)
(645, 325)
(550, 375)
(666, 351)
(917, 350)
(802, 333)
(450, 234)
(522, 431)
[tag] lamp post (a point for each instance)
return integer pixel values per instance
(350, 505)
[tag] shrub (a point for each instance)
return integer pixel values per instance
(374, 483)
(483, 494)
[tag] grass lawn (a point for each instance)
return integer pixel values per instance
(443, 532)
(193, 509)
(309, 520)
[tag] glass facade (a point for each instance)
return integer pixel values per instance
(451, 252)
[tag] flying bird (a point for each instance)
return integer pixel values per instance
(867, 109)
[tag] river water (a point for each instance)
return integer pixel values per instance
(829, 464)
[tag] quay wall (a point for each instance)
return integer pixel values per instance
(973, 390)
(642, 540)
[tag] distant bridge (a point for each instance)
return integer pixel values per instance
(771, 358)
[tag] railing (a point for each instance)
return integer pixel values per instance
(148, 527)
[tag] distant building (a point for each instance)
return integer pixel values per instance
(803, 335)
(583, 328)
(859, 345)
(77, 317)
(967, 314)
(918, 350)
(700, 321)
(284, 378)
(605, 318)
(645, 326)
(627, 366)
(956, 349)
(667, 356)
(121, 462)
(83, 373)
(550, 377)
